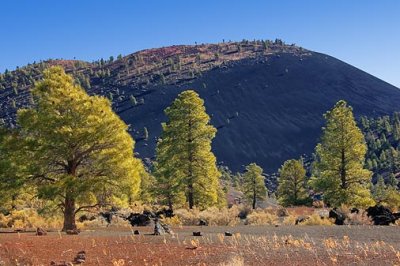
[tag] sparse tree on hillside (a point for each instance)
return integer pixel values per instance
(339, 167)
(253, 184)
(185, 163)
(378, 190)
(145, 133)
(78, 146)
(291, 183)
(386, 195)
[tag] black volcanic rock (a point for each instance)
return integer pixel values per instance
(269, 112)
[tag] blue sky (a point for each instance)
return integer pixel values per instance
(364, 33)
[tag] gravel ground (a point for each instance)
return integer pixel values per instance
(249, 245)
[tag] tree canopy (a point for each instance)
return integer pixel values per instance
(291, 183)
(185, 166)
(253, 184)
(339, 168)
(79, 150)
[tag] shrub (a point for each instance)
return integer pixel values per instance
(289, 220)
(29, 219)
(223, 216)
(282, 212)
(213, 216)
(261, 217)
(315, 219)
(188, 217)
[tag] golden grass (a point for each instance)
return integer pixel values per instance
(262, 217)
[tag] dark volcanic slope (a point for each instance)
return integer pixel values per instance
(266, 99)
(272, 111)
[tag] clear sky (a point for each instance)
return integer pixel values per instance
(364, 33)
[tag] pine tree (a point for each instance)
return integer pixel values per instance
(185, 162)
(393, 181)
(386, 195)
(253, 184)
(145, 133)
(12, 170)
(339, 168)
(291, 183)
(379, 190)
(78, 146)
(133, 100)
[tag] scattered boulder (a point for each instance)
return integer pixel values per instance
(80, 257)
(138, 219)
(168, 213)
(228, 233)
(158, 228)
(73, 232)
(301, 219)
(282, 212)
(197, 234)
(381, 215)
(243, 213)
(339, 216)
(40, 231)
(136, 232)
(166, 228)
(107, 216)
(203, 222)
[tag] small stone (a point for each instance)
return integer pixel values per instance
(40, 232)
(197, 234)
(73, 232)
(228, 234)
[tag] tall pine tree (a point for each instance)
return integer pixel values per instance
(78, 147)
(253, 184)
(339, 167)
(186, 167)
(291, 183)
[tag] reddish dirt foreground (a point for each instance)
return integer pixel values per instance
(249, 245)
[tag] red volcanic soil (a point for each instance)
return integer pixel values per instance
(249, 245)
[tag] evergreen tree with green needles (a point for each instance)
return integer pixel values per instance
(185, 165)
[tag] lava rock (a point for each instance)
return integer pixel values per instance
(139, 219)
(203, 222)
(228, 234)
(80, 257)
(40, 231)
(339, 216)
(381, 215)
(301, 219)
(73, 232)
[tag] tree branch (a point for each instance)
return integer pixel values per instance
(86, 207)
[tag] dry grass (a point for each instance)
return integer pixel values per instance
(315, 219)
(216, 249)
(261, 217)
(214, 216)
(29, 219)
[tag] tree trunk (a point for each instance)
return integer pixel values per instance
(343, 176)
(254, 193)
(190, 196)
(69, 212)
(170, 203)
